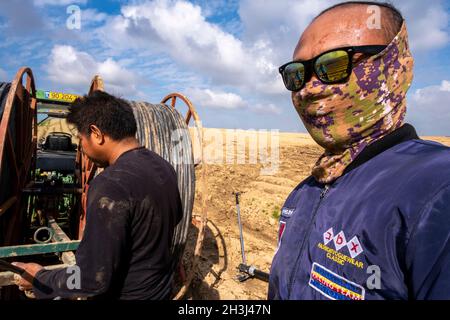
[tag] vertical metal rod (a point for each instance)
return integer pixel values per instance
(240, 228)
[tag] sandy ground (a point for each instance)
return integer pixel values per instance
(261, 201)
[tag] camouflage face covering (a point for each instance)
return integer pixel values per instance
(345, 118)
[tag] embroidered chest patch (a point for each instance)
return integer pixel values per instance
(334, 286)
(287, 212)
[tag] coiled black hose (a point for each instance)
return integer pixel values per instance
(163, 130)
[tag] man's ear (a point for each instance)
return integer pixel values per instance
(97, 135)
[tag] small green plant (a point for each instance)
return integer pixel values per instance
(276, 212)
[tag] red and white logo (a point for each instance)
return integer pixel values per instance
(339, 240)
(328, 236)
(354, 247)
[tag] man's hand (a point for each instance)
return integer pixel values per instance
(25, 282)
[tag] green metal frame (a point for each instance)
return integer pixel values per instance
(63, 244)
(41, 248)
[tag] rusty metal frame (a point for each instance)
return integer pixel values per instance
(87, 167)
(22, 101)
(191, 109)
(192, 114)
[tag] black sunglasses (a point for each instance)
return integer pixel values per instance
(332, 66)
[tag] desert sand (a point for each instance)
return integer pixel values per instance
(261, 201)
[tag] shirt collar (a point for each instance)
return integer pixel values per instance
(402, 134)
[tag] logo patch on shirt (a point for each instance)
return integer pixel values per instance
(334, 286)
(354, 247)
(328, 236)
(339, 240)
(287, 212)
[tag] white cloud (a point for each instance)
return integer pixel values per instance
(281, 22)
(278, 23)
(215, 99)
(445, 86)
(91, 16)
(226, 100)
(3, 76)
(428, 109)
(265, 108)
(180, 29)
(427, 23)
(73, 68)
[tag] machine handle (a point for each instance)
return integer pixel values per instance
(7, 266)
(253, 272)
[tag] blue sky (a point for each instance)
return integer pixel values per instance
(222, 54)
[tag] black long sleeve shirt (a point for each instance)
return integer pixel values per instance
(133, 207)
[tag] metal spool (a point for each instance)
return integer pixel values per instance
(5, 190)
(5, 174)
(18, 131)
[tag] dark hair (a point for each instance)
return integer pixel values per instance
(395, 18)
(110, 114)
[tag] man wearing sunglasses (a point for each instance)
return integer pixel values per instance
(373, 219)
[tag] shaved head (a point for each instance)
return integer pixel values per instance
(346, 24)
(392, 18)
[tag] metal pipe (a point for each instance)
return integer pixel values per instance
(38, 232)
(34, 249)
(244, 261)
(59, 236)
(253, 272)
